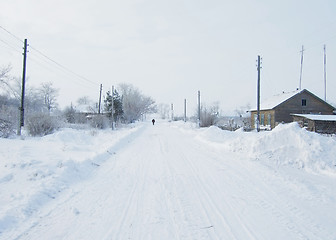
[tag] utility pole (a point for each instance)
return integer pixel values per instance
(21, 124)
(325, 73)
(258, 96)
(112, 107)
(199, 108)
(301, 67)
(185, 110)
(100, 93)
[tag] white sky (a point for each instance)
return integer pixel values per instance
(171, 49)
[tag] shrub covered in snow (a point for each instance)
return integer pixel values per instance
(6, 128)
(209, 116)
(99, 121)
(41, 124)
(70, 114)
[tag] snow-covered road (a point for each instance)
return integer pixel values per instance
(163, 183)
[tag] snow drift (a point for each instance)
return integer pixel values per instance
(286, 145)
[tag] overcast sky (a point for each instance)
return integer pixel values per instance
(171, 49)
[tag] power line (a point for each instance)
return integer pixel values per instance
(16, 37)
(10, 46)
(62, 67)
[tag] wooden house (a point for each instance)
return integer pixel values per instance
(279, 108)
(317, 123)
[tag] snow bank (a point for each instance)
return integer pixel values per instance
(43, 167)
(286, 145)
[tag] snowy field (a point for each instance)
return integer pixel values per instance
(169, 181)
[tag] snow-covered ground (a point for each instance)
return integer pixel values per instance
(169, 181)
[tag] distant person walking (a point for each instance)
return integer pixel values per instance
(153, 121)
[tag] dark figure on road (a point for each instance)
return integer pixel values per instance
(153, 121)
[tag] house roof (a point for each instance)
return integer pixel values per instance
(276, 100)
(85, 108)
(316, 117)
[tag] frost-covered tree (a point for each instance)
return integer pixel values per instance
(135, 104)
(209, 115)
(163, 110)
(36, 99)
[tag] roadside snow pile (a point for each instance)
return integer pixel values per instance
(43, 167)
(287, 144)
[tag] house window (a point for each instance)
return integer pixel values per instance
(269, 118)
(304, 102)
(262, 119)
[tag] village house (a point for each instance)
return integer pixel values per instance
(279, 109)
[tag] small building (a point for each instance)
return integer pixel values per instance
(279, 108)
(316, 123)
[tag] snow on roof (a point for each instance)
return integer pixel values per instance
(274, 101)
(317, 117)
(85, 108)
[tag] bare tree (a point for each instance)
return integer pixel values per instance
(8, 84)
(49, 94)
(4, 75)
(241, 111)
(84, 100)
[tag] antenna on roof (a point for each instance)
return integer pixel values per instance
(301, 67)
(258, 94)
(325, 73)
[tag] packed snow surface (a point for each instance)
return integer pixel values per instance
(169, 181)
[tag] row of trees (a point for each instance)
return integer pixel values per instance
(129, 104)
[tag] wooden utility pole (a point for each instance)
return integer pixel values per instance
(21, 124)
(112, 107)
(258, 96)
(325, 73)
(301, 68)
(185, 110)
(100, 93)
(199, 108)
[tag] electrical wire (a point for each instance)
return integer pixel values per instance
(63, 67)
(9, 46)
(49, 59)
(14, 36)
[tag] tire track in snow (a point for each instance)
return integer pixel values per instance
(208, 203)
(196, 212)
(170, 191)
(148, 208)
(180, 203)
(130, 206)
